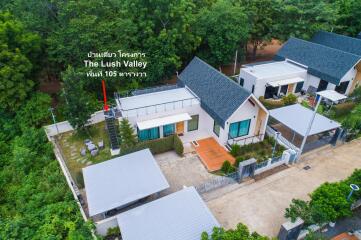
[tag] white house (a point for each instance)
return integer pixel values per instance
(204, 103)
(328, 62)
(273, 78)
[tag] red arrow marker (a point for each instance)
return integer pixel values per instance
(106, 107)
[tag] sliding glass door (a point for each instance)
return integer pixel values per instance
(148, 134)
(239, 129)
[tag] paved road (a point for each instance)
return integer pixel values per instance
(261, 205)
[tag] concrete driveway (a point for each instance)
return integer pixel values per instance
(261, 205)
(182, 171)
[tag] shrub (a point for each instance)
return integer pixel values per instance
(343, 108)
(289, 99)
(238, 160)
(271, 104)
(235, 150)
(115, 231)
(227, 167)
(178, 145)
(157, 146)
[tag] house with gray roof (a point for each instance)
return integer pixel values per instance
(204, 103)
(331, 62)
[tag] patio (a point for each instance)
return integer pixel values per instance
(212, 154)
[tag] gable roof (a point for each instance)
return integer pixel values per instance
(337, 41)
(220, 96)
(324, 62)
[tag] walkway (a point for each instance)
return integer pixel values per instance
(212, 154)
(261, 205)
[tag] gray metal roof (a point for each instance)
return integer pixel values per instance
(324, 62)
(297, 118)
(122, 180)
(337, 41)
(220, 96)
(179, 216)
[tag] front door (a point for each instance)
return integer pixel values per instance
(180, 128)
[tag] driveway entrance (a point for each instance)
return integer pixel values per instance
(212, 154)
(261, 205)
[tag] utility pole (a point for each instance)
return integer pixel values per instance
(235, 63)
(53, 116)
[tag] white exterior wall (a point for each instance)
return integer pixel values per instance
(349, 76)
(261, 83)
(249, 80)
(311, 81)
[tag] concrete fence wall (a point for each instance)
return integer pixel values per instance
(103, 225)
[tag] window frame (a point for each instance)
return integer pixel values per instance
(171, 133)
(238, 128)
(148, 138)
(214, 128)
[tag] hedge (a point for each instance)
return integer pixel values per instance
(157, 146)
(344, 108)
(271, 104)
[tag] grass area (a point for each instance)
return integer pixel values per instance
(71, 144)
(260, 151)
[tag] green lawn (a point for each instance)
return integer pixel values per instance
(71, 143)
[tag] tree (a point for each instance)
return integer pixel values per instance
(262, 15)
(35, 112)
(17, 50)
(79, 106)
(303, 18)
(349, 21)
(127, 136)
(240, 233)
(223, 28)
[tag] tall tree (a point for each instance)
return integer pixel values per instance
(79, 106)
(223, 28)
(299, 18)
(262, 15)
(18, 48)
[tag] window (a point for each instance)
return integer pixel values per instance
(239, 129)
(252, 88)
(193, 123)
(241, 81)
(322, 85)
(168, 130)
(148, 134)
(216, 128)
(342, 87)
(284, 89)
(271, 92)
(299, 87)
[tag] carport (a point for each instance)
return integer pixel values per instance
(292, 122)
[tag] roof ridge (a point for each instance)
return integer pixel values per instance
(339, 35)
(326, 47)
(219, 72)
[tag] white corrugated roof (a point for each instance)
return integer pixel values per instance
(297, 118)
(122, 180)
(179, 216)
(283, 82)
(156, 122)
(332, 95)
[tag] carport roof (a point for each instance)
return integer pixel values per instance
(297, 118)
(122, 180)
(179, 216)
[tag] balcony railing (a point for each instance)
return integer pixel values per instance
(248, 140)
(158, 108)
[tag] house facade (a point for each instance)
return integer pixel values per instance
(204, 103)
(328, 62)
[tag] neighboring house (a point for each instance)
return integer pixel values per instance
(115, 184)
(178, 216)
(204, 103)
(332, 62)
(272, 78)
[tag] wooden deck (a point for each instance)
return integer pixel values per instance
(344, 236)
(212, 154)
